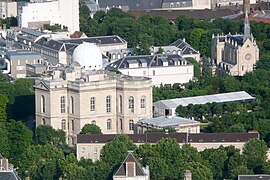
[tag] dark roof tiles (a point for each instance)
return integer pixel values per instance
(180, 137)
(122, 169)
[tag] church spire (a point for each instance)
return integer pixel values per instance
(246, 28)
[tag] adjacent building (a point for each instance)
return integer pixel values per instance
(17, 60)
(185, 49)
(131, 169)
(234, 55)
(89, 146)
(24, 38)
(165, 107)
(254, 177)
(6, 170)
(82, 93)
(163, 4)
(162, 69)
(179, 124)
(63, 12)
(8, 9)
(60, 51)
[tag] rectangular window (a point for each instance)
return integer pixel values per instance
(20, 68)
(154, 72)
(93, 104)
(95, 150)
(108, 104)
(63, 104)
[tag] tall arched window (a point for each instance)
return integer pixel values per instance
(93, 104)
(108, 104)
(120, 104)
(131, 125)
(131, 104)
(63, 124)
(121, 124)
(109, 124)
(42, 108)
(72, 105)
(63, 104)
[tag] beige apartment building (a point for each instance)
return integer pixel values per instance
(89, 146)
(68, 98)
(17, 61)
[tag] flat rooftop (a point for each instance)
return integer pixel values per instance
(166, 121)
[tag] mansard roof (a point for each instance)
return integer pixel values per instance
(184, 46)
(144, 61)
(66, 44)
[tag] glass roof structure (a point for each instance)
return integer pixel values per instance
(240, 96)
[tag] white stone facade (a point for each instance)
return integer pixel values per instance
(162, 69)
(8, 9)
(63, 12)
(113, 102)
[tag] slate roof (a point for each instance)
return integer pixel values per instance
(184, 46)
(131, 4)
(5, 175)
(254, 177)
(21, 54)
(66, 44)
(122, 169)
(150, 60)
(166, 121)
(180, 137)
(31, 32)
(197, 14)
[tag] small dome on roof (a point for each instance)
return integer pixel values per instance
(88, 55)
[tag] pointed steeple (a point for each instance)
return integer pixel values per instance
(246, 28)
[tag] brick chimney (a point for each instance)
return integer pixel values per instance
(4, 163)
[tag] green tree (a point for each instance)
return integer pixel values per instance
(3, 105)
(199, 171)
(237, 128)
(42, 162)
(45, 134)
(197, 68)
(255, 153)
(90, 128)
(190, 154)
(114, 152)
(4, 142)
(216, 159)
(237, 165)
(84, 12)
(20, 138)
